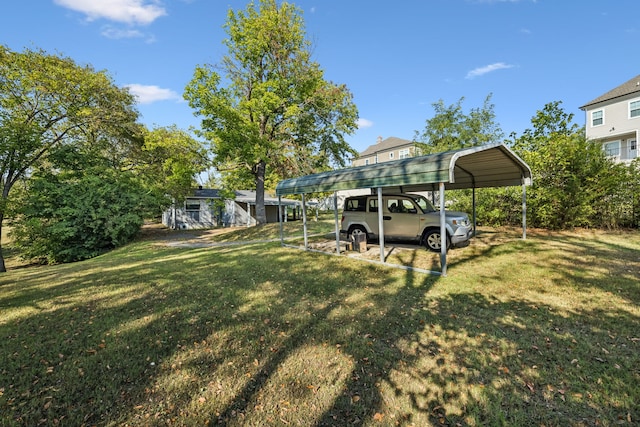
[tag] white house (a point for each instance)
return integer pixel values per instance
(614, 119)
(205, 208)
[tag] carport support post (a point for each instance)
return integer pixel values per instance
(280, 218)
(474, 210)
(524, 210)
(335, 213)
(380, 225)
(304, 223)
(443, 234)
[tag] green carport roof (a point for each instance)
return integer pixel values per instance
(492, 165)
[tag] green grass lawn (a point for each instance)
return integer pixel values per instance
(542, 332)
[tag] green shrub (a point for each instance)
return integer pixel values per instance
(67, 218)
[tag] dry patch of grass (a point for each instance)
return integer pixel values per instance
(536, 332)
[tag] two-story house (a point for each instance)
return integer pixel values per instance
(385, 150)
(614, 119)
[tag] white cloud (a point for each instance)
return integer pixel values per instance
(480, 71)
(118, 33)
(147, 94)
(364, 123)
(141, 12)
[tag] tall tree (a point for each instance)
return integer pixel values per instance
(169, 161)
(273, 113)
(47, 101)
(571, 174)
(450, 128)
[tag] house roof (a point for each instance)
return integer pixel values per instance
(243, 196)
(492, 165)
(385, 145)
(627, 88)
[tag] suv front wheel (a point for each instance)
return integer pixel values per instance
(432, 241)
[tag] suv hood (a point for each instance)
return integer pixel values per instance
(450, 214)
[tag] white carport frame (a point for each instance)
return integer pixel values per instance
(493, 165)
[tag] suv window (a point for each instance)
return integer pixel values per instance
(356, 204)
(373, 205)
(401, 205)
(424, 204)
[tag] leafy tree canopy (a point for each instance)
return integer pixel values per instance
(451, 128)
(271, 112)
(170, 158)
(47, 101)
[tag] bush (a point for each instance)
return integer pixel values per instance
(67, 218)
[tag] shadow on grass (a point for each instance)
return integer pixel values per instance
(236, 336)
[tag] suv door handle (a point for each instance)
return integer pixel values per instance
(386, 218)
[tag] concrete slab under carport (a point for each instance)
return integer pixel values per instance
(493, 165)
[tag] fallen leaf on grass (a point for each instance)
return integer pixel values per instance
(378, 416)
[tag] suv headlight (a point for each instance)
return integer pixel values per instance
(462, 222)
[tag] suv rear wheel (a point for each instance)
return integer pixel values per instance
(355, 230)
(432, 241)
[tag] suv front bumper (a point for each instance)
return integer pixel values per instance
(461, 238)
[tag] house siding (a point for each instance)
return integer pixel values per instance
(202, 212)
(385, 151)
(618, 132)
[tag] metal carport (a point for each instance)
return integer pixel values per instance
(493, 165)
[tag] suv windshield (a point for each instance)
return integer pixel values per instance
(424, 204)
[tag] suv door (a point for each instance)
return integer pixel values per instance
(401, 217)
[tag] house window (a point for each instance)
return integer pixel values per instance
(366, 162)
(404, 153)
(391, 155)
(634, 109)
(192, 208)
(194, 215)
(597, 118)
(612, 149)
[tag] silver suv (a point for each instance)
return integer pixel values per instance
(406, 217)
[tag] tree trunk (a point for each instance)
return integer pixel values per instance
(261, 214)
(3, 268)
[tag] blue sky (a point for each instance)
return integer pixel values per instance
(397, 58)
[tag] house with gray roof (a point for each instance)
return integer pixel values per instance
(614, 119)
(385, 150)
(207, 208)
